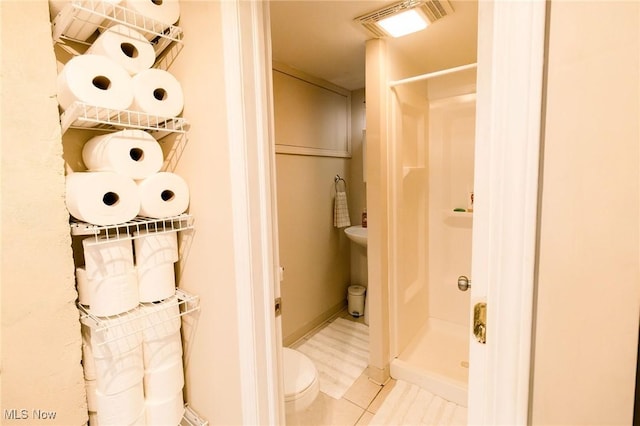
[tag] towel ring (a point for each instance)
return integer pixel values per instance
(337, 181)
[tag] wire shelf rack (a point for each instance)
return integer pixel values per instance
(138, 319)
(130, 230)
(82, 13)
(80, 115)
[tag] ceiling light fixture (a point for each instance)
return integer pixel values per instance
(381, 23)
(403, 23)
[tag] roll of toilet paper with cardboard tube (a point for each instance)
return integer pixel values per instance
(160, 320)
(133, 153)
(163, 194)
(125, 46)
(155, 248)
(92, 400)
(165, 412)
(158, 93)
(102, 198)
(83, 286)
(104, 257)
(116, 335)
(88, 362)
(115, 294)
(163, 382)
(95, 80)
(165, 351)
(108, 295)
(86, 21)
(157, 283)
(122, 408)
(118, 373)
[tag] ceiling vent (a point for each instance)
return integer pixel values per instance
(432, 9)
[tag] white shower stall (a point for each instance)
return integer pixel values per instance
(429, 158)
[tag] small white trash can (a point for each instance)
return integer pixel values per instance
(355, 299)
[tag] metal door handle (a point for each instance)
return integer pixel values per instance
(464, 283)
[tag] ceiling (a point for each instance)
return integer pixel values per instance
(320, 38)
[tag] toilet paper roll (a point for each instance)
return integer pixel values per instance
(133, 153)
(165, 12)
(160, 320)
(88, 362)
(116, 336)
(163, 383)
(165, 413)
(117, 373)
(157, 93)
(86, 22)
(165, 351)
(115, 294)
(83, 286)
(126, 47)
(102, 198)
(107, 257)
(157, 283)
(90, 387)
(155, 248)
(162, 195)
(95, 80)
(122, 408)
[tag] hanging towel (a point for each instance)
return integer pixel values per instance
(341, 211)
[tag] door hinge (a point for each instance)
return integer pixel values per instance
(278, 306)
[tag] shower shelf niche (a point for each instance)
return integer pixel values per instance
(86, 10)
(451, 213)
(130, 323)
(126, 230)
(90, 117)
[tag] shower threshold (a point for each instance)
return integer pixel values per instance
(437, 361)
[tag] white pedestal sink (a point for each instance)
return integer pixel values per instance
(357, 234)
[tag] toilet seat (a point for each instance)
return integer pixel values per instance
(301, 385)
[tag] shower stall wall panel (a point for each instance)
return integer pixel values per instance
(451, 151)
(409, 219)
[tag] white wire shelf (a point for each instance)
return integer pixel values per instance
(131, 322)
(128, 230)
(191, 418)
(80, 115)
(81, 13)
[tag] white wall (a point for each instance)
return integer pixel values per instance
(41, 350)
(589, 277)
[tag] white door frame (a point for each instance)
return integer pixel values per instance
(511, 44)
(248, 84)
(510, 58)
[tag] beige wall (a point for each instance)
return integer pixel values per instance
(40, 328)
(313, 253)
(588, 278)
(41, 348)
(207, 270)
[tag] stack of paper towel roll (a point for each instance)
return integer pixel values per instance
(124, 180)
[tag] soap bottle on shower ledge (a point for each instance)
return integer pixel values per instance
(364, 218)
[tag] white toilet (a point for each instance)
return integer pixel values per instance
(301, 385)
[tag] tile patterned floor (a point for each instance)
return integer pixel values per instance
(357, 407)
